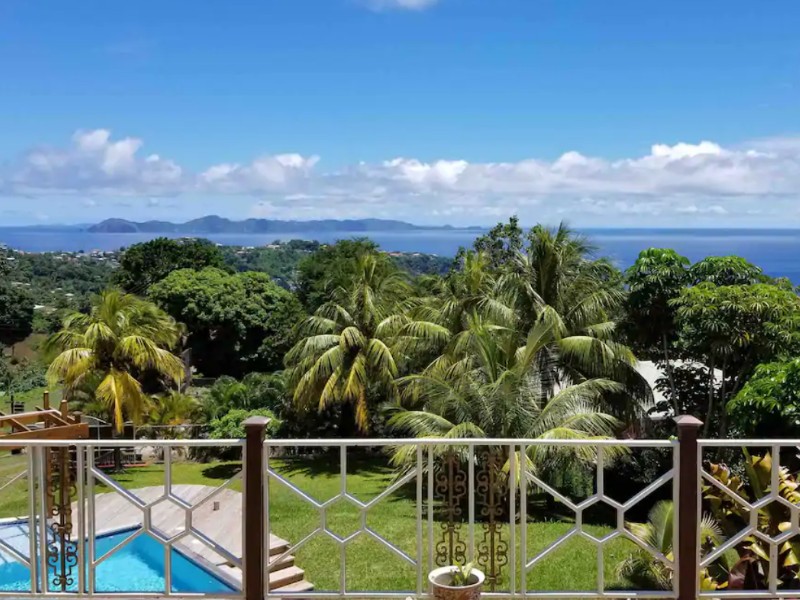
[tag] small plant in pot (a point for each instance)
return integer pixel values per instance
(456, 582)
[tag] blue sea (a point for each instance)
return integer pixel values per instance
(776, 251)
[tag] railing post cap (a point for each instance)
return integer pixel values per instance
(688, 421)
(256, 422)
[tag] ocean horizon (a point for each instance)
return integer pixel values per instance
(776, 251)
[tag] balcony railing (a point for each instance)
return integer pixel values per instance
(429, 503)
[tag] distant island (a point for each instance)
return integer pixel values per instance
(215, 224)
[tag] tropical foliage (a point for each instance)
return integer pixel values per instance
(236, 322)
(112, 353)
(353, 344)
(642, 570)
(769, 403)
(751, 568)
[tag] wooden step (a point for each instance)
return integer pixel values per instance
(293, 588)
(287, 561)
(277, 545)
(284, 577)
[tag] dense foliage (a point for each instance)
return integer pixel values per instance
(112, 353)
(145, 264)
(768, 405)
(532, 321)
(59, 280)
(235, 322)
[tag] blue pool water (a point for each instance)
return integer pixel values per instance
(138, 567)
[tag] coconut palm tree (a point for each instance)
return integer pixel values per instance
(122, 341)
(352, 345)
(489, 385)
(556, 276)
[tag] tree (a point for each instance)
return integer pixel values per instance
(231, 425)
(332, 267)
(254, 391)
(654, 281)
(235, 322)
(172, 409)
(734, 328)
(768, 405)
(111, 351)
(145, 264)
(501, 243)
(352, 344)
(16, 314)
(557, 277)
(489, 385)
(726, 270)
(557, 269)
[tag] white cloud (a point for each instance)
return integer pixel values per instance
(264, 174)
(679, 181)
(93, 163)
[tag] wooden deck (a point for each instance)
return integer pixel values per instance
(219, 519)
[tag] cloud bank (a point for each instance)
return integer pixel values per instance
(684, 180)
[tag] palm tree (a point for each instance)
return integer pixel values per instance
(352, 344)
(469, 289)
(169, 410)
(112, 349)
(488, 385)
(557, 278)
(556, 270)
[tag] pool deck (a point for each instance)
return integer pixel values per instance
(215, 513)
(219, 518)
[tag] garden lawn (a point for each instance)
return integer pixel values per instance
(370, 565)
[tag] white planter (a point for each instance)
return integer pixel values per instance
(442, 588)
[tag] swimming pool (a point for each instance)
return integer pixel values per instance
(138, 567)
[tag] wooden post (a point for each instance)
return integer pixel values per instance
(254, 534)
(688, 551)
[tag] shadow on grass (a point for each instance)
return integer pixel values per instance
(328, 463)
(222, 471)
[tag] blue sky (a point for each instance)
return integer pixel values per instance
(461, 111)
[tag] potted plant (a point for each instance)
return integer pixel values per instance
(456, 582)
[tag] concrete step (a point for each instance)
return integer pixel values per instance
(293, 588)
(284, 577)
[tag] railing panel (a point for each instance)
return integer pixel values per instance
(145, 531)
(750, 503)
(371, 518)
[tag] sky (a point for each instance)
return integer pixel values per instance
(608, 113)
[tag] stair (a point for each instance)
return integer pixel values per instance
(284, 575)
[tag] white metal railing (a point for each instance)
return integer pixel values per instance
(100, 506)
(423, 469)
(750, 508)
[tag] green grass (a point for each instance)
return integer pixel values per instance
(369, 565)
(31, 399)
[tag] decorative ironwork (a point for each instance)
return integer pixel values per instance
(61, 551)
(491, 493)
(451, 486)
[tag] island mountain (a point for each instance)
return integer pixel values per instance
(215, 224)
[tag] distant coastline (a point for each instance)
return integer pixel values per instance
(213, 224)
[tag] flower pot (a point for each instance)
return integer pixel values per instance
(442, 587)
